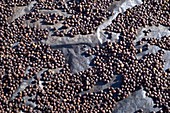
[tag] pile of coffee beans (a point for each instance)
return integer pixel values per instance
(86, 18)
(34, 77)
(164, 42)
(16, 2)
(149, 13)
